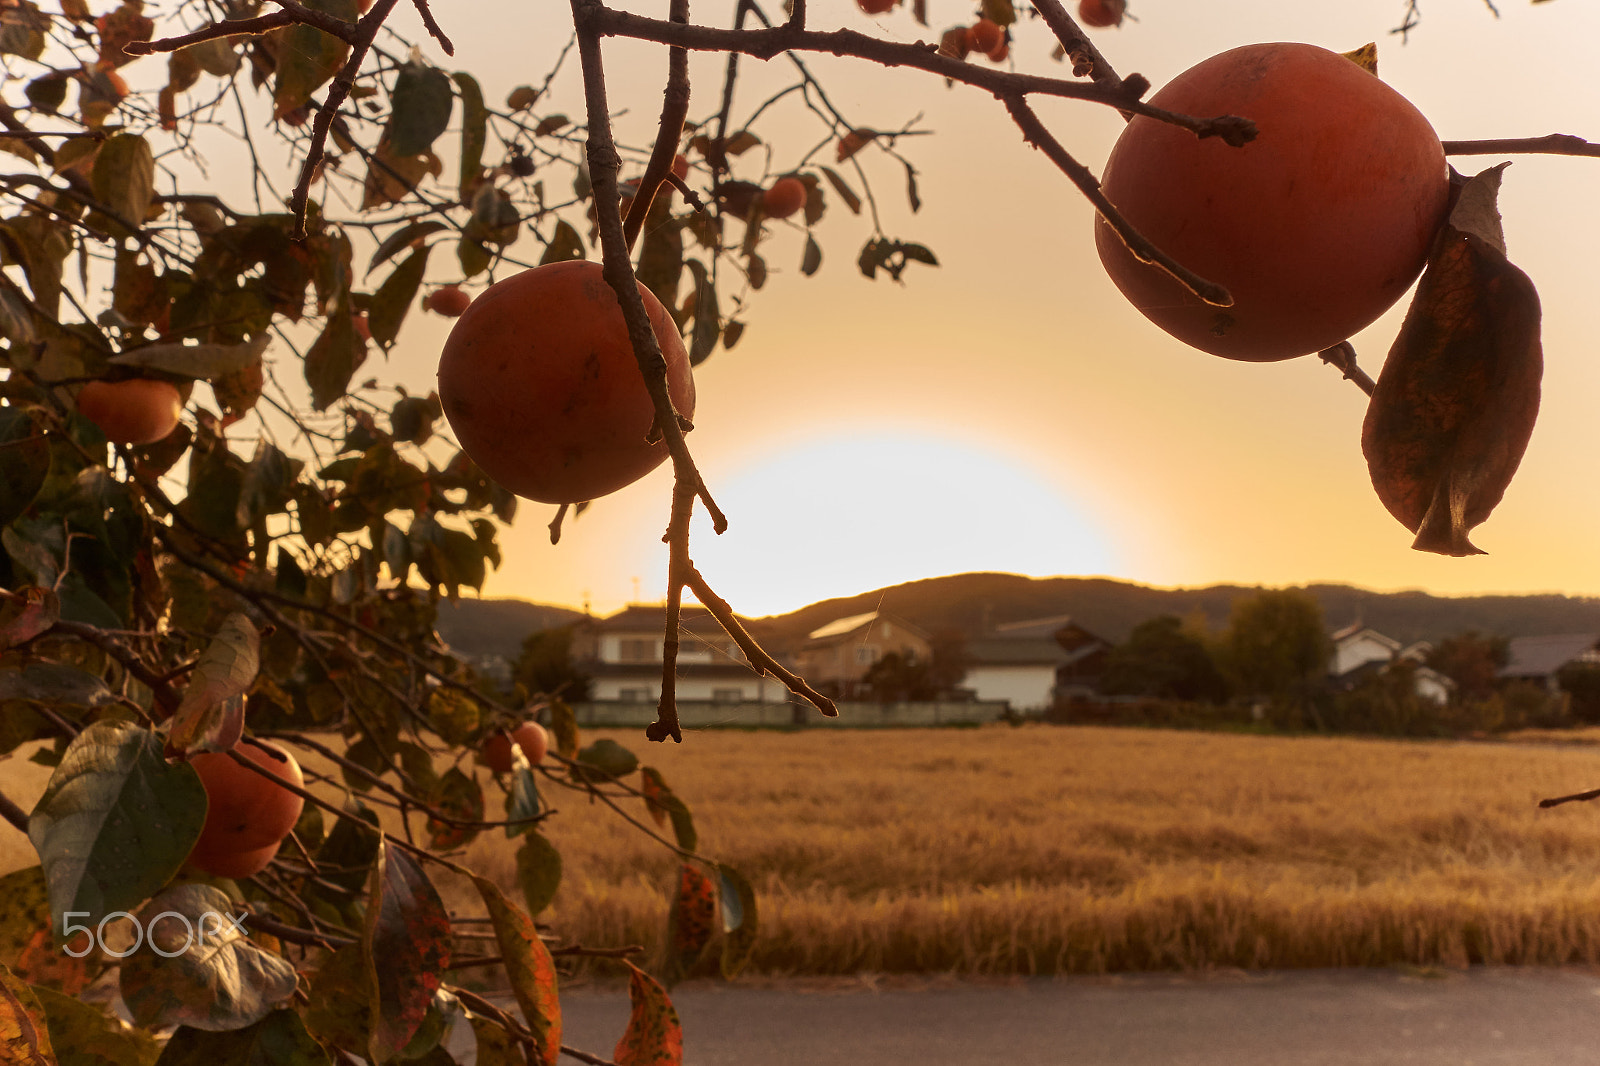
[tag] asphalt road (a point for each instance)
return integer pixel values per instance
(1487, 1017)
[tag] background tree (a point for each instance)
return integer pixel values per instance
(1276, 648)
(546, 665)
(1473, 661)
(1160, 659)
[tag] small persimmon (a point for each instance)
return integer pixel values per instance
(540, 385)
(785, 196)
(529, 736)
(135, 411)
(1101, 13)
(449, 301)
(984, 36)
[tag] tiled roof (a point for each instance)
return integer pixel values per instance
(1543, 656)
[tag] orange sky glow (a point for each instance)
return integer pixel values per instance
(1009, 410)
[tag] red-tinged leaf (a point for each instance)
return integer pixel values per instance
(408, 932)
(654, 1036)
(196, 967)
(1457, 399)
(531, 969)
(691, 922)
(24, 1034)
(211, 716)
(654, 789)
(853, 142)
(120, 27)
(30, 613)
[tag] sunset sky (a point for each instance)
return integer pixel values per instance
(1009, 410)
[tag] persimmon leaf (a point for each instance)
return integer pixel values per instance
(538, 871)
(654, 1036)
(691, 922)
(564, 245)
(407, 928)
(211, 715)
(24, 1033)
(421, 105)
(307, 57)
(116, 821)
(846, 193)
(1456, 402)
(334, 358)
(474, 131)
(199, 361)
(739, 919)
(279, 1039)
(395, 296)
(196, 967)
(531, 969)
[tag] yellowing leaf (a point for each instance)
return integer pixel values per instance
(24, 1035)
(211, 716)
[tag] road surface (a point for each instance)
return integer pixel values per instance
(1485, 1017)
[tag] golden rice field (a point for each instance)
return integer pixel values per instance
(1043, 849)
(1048, 850)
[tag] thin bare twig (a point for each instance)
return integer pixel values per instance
(1552, 144)
(1342, 357)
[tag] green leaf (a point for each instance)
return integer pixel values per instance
(739, 921)
(124, 178)
(420, 108)
(307, 58)
(402, 238)
(343, 999)
(609, 758)
(473, 256)
(54, 684)
(334, 359)
(408, 928)
(654, 1036)
(84, 1034)
(474, 131)
(350, 848)
(24, 461)
(564, 245)
(1000, 12)
(211, 716)
(846, 193)
(538, 872)
(459, 796)
(453, 714)
(394, 297)
(199, 361)
(195, 967)
(707, 318)
(279, 1039)
(811, 261)
(115, 822)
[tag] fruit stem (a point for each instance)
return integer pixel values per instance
(1342, 357)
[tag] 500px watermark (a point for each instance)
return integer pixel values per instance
(220, 928)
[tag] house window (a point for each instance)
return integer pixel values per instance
(634, 695)
(727, 695)
(638, 651)
(866, 655)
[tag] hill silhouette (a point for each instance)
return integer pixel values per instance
(972, 603)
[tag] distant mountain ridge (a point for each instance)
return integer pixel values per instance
(973, 603)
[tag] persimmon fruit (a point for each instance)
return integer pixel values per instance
(135, 411)
(247, 816)
(984, 36)
(1315, 227)
(784, 197)
(875, 7)
(540, 385)
(1101, 13)
(529, 736)
(449, 301)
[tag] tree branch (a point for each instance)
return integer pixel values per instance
(1553, 144)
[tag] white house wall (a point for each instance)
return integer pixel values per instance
(648, 690)
(1024, 687)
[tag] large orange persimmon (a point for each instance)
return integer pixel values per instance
(135, 411)
(247, 816)
(530, 737)
(539, 382)
(1316, 227)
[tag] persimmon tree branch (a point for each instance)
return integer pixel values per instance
(1082, 51)
(1035, 133)
(1552, 144)
(674, 109)
(1342, 357)
(13, 814)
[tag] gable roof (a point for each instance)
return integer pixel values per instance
(841, 628)
(1543, 656)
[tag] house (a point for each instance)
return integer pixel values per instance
(622, 655)
(1540, 659)
(1033, 663)
(835, 658)
(1359, 650)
